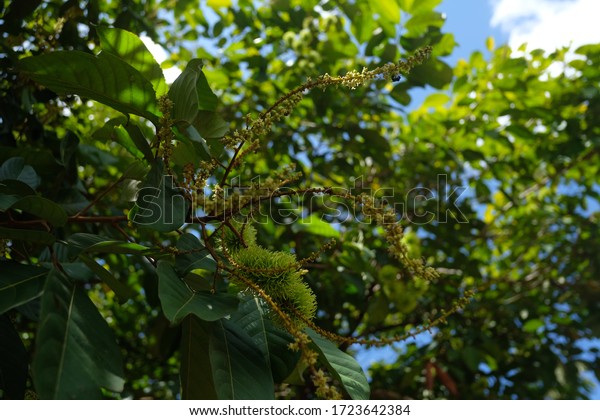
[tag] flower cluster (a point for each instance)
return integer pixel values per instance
(394, 236)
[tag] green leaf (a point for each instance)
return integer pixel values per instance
(129, 48)
(16, 188)
(122, 290)
(75, 351)
(138, 138)
(103, 78)
(14, 366)
(19, 283)
(207, 100)
(239, 368)
(418, 6)
(419, 23)
(314, 225)
(79, 242)
(7, 200)
(197, 382)
(161, 204)
(43, 208)
(124, 139)
(270, 339)
(118, 247)
(192, 256)
(90, 243)
(136, 170)
(15, 169)
(26, 235)
(192, 95)
(521, 132)
(342, 366)
(436, 100)
(533, 325)
(389, 15)
(434, 72)
(178, 300)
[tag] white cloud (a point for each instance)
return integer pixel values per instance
(547, 24)
(161, 55)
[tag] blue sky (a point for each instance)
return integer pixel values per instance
(547, 24)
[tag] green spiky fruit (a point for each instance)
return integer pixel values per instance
(302, 299)
(231, 241)
(279, 275)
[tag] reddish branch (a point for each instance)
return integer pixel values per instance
(203, 219)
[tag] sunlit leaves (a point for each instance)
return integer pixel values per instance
(104, 78)
(194, 106)
(129, 48)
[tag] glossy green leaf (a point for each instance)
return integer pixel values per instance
(15, 169)
(42, 208)
(314, 225)
(183, 92)
(342, 366)
(103, 78)
(76, 352)
(14, 366)
(197, 382)
(122, 290)
(161, 204)
(136, 170)
(19, 283)
(192, 256)
(27, 235)
(79, 242)
(211, 125)
(192, 96)
(138, 138)
(91, 244)
(124, 139)
(129, 48)
(118, 247)
(207, 100)
(239, 368)
(273, 341)
(7, 200)
(178, 300)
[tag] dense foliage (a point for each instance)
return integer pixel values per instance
(494, 177)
